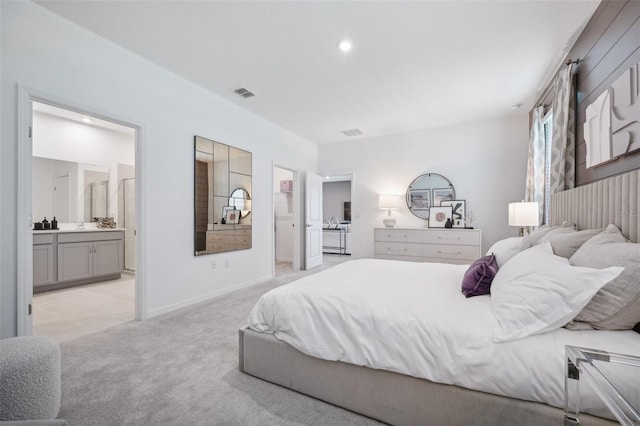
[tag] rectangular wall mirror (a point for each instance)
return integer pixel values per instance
(222, 197)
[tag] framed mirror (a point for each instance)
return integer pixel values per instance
(428, 190)
(222, 197)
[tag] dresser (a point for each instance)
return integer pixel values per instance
(461, 246)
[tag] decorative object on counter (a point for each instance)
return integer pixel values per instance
(448, 224)
(106, 223)
(80, 225)
(38, 226)
(428, 190)
(54, 223)
(524, 214)
(232, 216)
(457, 212)
(46, 224)
(438, 216)
(468, 221)
(388, 203)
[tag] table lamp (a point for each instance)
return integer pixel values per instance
(524, 214)
(389, 202)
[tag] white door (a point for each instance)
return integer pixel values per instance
(313, 221)
(61, 199)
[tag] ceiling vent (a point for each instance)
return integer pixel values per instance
(352, 132)
(244, 92)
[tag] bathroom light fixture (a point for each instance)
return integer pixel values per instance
(86, 120)
(344, 45)
(524, 214)
(388, 203)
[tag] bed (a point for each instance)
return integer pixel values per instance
(392, 376)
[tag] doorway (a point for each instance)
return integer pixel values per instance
(82, 176)
(286, 251)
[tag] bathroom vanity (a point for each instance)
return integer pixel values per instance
(73, 257)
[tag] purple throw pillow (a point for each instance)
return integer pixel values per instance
(477, 280)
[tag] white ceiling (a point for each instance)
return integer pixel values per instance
(413, 65)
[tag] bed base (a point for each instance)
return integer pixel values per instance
(390, 397)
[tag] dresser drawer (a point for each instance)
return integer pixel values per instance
(398, 235)
(404, 258)
(449, 236)
(398, 249)
(450, 251)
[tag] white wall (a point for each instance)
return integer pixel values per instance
(485, 161)
(334, 194)
(283, 205)
(67, 140)
(49, 55)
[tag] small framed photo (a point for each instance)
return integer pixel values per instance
(438, 216)
(458, 212)
(442, 194)
(419, 198)
(231, 216)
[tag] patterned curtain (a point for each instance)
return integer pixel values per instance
(535, 186)
(563, 156)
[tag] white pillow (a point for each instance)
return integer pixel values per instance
(537, 291)
(505, 249)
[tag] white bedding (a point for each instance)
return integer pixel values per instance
(412, 318)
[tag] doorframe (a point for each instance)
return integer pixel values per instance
(298, 219)
(24, 208)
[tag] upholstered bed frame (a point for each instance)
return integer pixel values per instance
(404, 400)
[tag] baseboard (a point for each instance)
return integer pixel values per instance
(207, 296)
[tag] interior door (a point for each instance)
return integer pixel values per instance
(313, 221)
(61, 199)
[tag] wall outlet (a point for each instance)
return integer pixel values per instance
(227, 263)
(213, 264)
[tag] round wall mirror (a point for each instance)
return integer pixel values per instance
(241, 200)
(428, 190)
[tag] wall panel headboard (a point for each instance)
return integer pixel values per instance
(612, 200)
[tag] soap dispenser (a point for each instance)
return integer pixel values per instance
(46, 224)
(54, 223)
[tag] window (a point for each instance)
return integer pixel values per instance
(547, 122)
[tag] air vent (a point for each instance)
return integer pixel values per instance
(244, 92)
(352, 132)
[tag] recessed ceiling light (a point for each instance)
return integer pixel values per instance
(515, 107)
(344, 45)
(86, 120)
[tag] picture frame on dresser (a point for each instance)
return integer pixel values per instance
(458, 212)
(438, 216)
(232, 216)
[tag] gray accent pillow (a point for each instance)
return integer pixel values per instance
(616, 306)
(565, 244)
(534, 238)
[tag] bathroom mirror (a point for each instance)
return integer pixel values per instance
(428, 190)
(70, 191)
(222, 197)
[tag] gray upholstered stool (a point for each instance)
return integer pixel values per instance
(29, 378)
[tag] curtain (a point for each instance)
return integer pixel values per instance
(563, 157)
(535, 184)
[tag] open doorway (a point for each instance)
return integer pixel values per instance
(284, 219)
(337, 235)
(84, 213)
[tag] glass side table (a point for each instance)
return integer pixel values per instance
(614, 377)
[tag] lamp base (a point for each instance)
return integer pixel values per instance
(389, 222)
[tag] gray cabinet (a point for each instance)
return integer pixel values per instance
(44, 271)
(62, 259)
(90, 254)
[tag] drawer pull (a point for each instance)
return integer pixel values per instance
(449, 252)
(456, 238)
(390, 249)
(394, 236)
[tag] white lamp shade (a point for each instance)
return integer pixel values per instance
(524, 214)
(389, 202)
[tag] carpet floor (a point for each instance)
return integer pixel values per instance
(182, 369)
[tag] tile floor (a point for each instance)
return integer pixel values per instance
(73, 312)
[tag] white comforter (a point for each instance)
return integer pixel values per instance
(412, 318)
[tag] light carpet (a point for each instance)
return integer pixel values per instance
(182, 369)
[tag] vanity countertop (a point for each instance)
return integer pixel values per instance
(64, 231)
